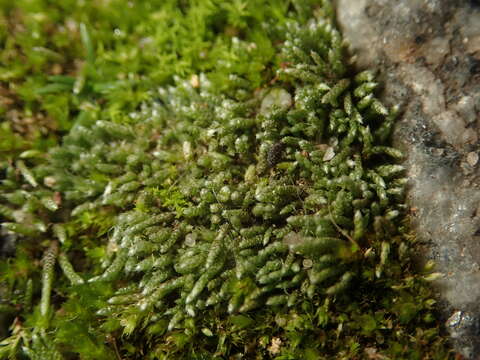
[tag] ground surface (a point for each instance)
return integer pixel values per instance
(77, 62)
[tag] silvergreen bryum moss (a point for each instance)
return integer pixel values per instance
(244, 225)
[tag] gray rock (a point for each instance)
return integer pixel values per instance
(428, 53)
(461, 325)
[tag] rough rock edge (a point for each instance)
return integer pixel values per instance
(428, 53)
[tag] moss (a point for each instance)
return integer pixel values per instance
(67, 61)
(253, 210)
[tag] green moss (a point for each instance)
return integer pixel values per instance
(251, 207)
(69, 60)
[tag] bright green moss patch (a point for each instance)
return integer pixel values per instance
(68, 60)
(250, 207)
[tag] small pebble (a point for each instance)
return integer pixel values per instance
(49, 181)
(292, 239)
(187, 150)
(329, 154)
(307, 263)
(195, 81)
(472, 158)
(276, 97)
(190, 239)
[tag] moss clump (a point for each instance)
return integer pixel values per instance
(228, 225)
(63, 61)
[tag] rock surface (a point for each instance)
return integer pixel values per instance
(428, 53)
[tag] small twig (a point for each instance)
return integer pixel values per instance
(111, 340)
(297, 192)
(340, 230)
